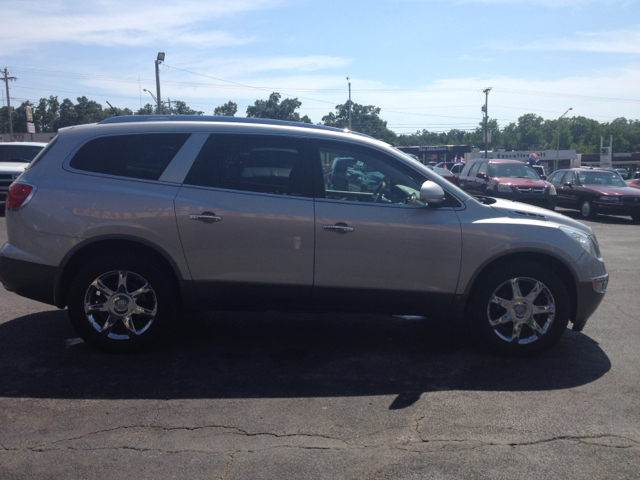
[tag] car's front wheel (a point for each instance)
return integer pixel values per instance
(519, 309)
(121, 303)
(587, 209)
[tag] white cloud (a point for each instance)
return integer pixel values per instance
(119, 22)
(616, 41)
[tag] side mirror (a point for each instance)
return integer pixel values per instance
(568, 184)
(483, 176)
(543, 177)
(431, 193)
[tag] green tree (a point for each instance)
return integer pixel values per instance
(364, 119)
(148, 109)
(89, 111)
(274, 109)
(47, 112)
(229, 109)
(179, 107)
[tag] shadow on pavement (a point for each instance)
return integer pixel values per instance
(604, 219)
(268, 355)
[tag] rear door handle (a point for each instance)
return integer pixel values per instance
(339, 227)
(205, 217)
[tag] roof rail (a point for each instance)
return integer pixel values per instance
(218, 118)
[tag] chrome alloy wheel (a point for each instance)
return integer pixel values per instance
(521, 310)
(120, 305)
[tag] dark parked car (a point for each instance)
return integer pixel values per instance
(634, 183)
(594, 190)
(444, 173)
(508, 179)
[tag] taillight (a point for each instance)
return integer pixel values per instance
(18, 195)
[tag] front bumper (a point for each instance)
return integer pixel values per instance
(626, 208)
(590, 295)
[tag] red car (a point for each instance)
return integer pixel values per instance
(508, 179)
(634, 183)
(594, 190)
(444, 173)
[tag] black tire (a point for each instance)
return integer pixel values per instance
(482, 309)
(116, 324)
(587, 210)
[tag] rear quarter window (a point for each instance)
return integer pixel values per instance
(141, 156)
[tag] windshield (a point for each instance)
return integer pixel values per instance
(601, 178)
(512, 170)
(18, 153)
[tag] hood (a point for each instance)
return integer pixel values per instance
(522, 182)
(524, 211)
(12, 167)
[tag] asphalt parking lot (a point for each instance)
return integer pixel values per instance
(315, 396)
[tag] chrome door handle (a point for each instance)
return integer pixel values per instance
(206, 217)
(340, 228)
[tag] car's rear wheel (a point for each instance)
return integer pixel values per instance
(121, 303)
(587, 209)
(519, 309)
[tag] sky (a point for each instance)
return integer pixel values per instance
(425, 63)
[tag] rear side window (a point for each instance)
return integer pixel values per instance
(253, 163)
(143, 156)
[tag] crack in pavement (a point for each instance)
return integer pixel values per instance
(589, 440)
(226, 470)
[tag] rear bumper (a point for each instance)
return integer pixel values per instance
(27, 279)
(589, 299)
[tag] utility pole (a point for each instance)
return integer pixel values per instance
(485, 109)
(159, 60)
(558, 139)
(349, 80)
(6, 81)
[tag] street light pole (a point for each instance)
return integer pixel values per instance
(486, 119)
(152, 96)
(349, 80)
(159, 60)
(558, 138)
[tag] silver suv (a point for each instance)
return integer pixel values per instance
(132, 220)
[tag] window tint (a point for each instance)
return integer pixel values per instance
(601, 178)
(19, 153)
(252, 163)
(361, 175)
(556, 179)
(474, 169)
(143, 156)
(569, 177)
(513, 170)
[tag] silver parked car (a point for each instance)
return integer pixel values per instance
(131, 220)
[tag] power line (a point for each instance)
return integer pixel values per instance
(58, 73)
